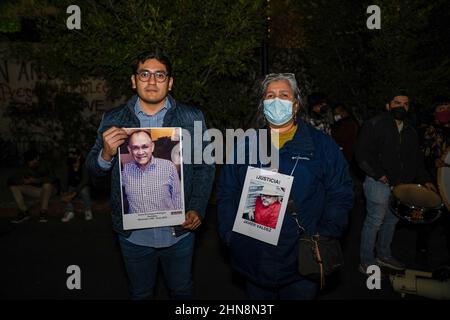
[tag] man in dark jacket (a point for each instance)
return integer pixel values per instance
(388, 152)
(173, 246)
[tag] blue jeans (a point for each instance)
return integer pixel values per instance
(379, 221)
(85, 196)
(141, 263)
(299, 290)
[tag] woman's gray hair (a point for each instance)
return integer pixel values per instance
(289, 78)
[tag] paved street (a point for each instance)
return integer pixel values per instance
(35, 256)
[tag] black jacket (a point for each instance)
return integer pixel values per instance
(382, 150)
(198, 178)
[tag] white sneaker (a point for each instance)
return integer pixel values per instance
(69, 215)
(88, 215)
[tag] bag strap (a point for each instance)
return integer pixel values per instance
(291, 203)
(318, 257)
(314, 238)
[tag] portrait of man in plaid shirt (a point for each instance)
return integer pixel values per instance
(150, 184)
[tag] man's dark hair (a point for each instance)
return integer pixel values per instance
(316, 98)
(152, 54)
(437, 101)
(30, 155)
(339, 105)
(397, 92)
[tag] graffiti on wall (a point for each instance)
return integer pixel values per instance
(18, 80)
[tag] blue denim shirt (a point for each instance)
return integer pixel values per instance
(152, 237)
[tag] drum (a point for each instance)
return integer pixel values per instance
(415, 203)
(443, 178)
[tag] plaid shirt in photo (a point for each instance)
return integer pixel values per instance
(156, 188)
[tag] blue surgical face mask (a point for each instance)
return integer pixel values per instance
(278, 111)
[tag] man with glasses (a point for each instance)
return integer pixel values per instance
(143, 249)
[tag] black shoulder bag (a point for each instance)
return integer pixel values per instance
(318, 256)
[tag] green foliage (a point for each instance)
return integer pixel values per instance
(9, 25)
(212, 44)
(410, 50)
(339, 55)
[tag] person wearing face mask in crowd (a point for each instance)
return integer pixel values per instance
(345, 130)
(319, 116)
(435, 145)
(388, 151)
(319, 201)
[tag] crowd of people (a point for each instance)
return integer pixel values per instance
(321, 145)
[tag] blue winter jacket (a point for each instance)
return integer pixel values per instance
(322, 195)
(198, 178)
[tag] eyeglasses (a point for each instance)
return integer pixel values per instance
(145, 75)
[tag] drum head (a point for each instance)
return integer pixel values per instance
(443, 177)
(417, 196)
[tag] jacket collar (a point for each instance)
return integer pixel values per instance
(132, 102)
(170, 114)
(406, 123)
(302, 144)
(167, 118)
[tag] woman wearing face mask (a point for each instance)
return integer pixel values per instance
(319, 201)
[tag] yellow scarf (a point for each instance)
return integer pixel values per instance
(284, 137)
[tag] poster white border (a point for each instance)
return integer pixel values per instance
(152, 219)
(251, 228)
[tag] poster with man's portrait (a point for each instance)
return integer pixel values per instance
(263, 204)
(151, 178)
